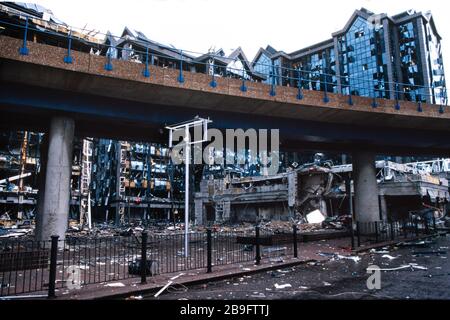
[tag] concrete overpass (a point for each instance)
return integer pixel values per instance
(39, 91)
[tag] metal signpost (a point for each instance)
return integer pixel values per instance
(186, 126)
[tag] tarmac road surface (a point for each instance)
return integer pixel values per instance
(338, 278)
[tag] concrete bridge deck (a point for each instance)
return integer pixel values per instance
(123, 100)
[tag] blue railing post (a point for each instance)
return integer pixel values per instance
(419, 104)
(108, 65)
(272, 88)
(68, 58)
(300, 91)
(146, 72)
(243, 87)
(441, 107)
(374, 100)
(24, 50)
(397, 97)
(213, 82)
(350, 98)
(325, 92)
(180, 77)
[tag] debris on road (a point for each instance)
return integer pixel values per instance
(388, 257)
(282, 286)
(115, 285)
(410, 266)
(163, 289)
(427, 253)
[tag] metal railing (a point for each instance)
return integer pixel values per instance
(369, 233)
(279, 75)
(58, 266)
(62, 265)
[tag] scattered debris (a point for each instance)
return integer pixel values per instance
(410, 266)
(115, 285)
(335, 256)
(426, 253)
(282, 286)
(424, 243)
(355, 259)
(257, 295)
(163, 289)
(315, 217)
(388, 257)
(379, 252)
(176, 277)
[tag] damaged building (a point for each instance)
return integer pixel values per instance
(403, 188)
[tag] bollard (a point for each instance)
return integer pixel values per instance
(294, 233)
(52, 271)
(258, 252)
(209, 250)
(144, 258)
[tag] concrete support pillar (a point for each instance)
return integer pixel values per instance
(43, 153)
(56, 196)
(367, 207)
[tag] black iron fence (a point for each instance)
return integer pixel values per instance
(367, 233)
(57, 265)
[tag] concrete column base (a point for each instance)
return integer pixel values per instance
(54, 213)
(367, 208)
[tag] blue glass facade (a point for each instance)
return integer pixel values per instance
(410, 64)
(436, 66)
(362, 57)
(316, 71)
(263, 65)
(373, 56)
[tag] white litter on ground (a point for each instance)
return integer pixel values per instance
(408, 266)
(354, 258)
(115, 285)
(282, 286)
(388, 257)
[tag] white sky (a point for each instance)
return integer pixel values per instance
(197, 25)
